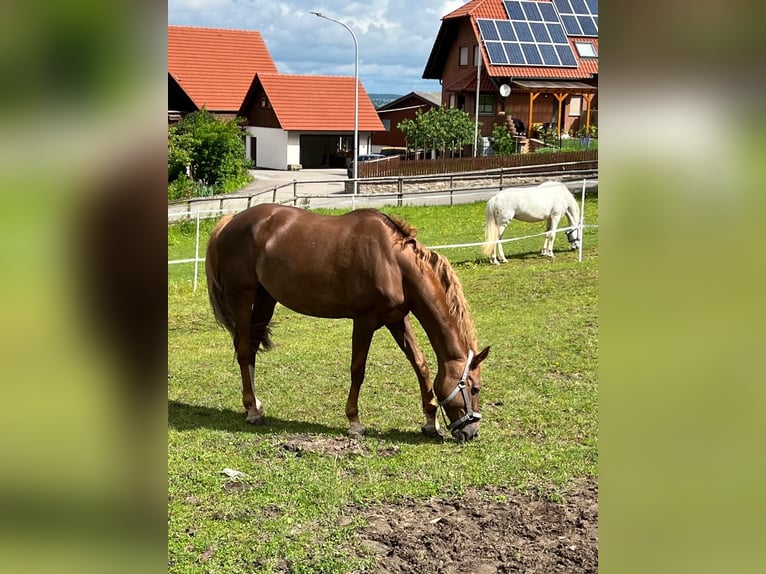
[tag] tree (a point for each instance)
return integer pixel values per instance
(439, 128)
(211, 149)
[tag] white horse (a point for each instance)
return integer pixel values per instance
(549, 202)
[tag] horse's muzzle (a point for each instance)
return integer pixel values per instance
(466, 433)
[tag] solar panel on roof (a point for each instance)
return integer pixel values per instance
(588, 26)
(532, 54)
(557, 33)
(488, 30)
(540, 32)
(566, 55)
(505, 30)
(523, 31)
(496, 53)
(548, 12)
(532, 11)
(532, 36)
(514, 10)
(580, 17)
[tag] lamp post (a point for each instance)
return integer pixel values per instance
(356, 104)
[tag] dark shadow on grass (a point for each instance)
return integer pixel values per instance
(182, 416)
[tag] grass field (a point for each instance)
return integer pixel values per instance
(539, 403)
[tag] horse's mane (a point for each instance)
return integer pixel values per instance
(456, 301)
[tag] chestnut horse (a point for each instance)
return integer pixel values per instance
(365, 266)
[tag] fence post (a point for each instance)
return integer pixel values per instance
(274, 196)
(295, 193)
(501, 178)
(399, 191)
(581, 225)
(196, 255)
(249, 201)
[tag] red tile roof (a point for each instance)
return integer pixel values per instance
(318, 103)
(481, 9)
(216, 66)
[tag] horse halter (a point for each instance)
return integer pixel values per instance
(573, 235)
(470, 416)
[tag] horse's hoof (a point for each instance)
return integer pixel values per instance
(432, 431)
(256, 419)
(356, 431)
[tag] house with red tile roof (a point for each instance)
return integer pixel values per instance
(305, 120)
(213, 67)
(291, 120)
(535, 61)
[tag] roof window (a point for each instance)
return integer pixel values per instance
(586, 49)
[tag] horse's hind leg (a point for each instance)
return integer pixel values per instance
(405, 338)
(550, 237)
(252, 319)
(500, 252)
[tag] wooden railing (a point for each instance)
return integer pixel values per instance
(395, 166)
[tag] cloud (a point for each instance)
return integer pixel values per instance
(395, 37)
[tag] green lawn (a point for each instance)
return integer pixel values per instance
(539, 403)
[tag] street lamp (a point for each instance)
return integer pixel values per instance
(356, 104)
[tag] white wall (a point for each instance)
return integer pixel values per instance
(271, 147)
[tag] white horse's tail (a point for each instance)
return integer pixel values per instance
(490, 228)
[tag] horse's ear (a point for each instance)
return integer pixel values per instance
(480, 357)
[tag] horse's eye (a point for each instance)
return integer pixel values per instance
(475, 390)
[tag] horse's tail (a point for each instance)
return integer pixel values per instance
(215, 288)
(490, 228)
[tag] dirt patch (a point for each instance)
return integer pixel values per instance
(487, 531)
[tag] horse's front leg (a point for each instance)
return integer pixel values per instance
(405, 338)
(550, 237)
(360, 347)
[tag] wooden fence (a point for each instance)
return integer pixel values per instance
(395, 167)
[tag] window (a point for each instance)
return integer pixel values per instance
(476, 55)
(387, 124)
(463, 59)
(586, 49)
(486, 104)
(452, 100)
(264, 102)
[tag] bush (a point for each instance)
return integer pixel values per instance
(502, 141)
(212, 149)
(180, 188)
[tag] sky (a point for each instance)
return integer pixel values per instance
(395, 37)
